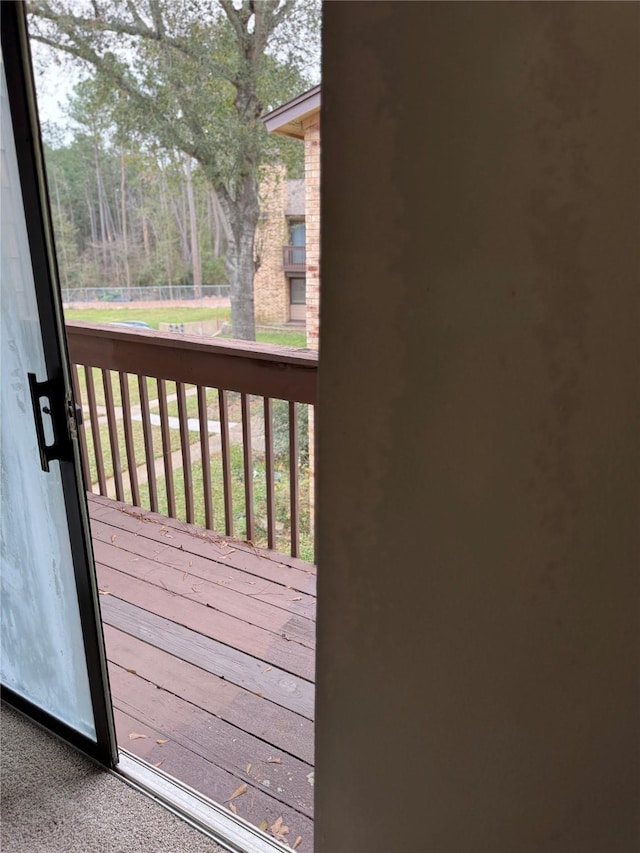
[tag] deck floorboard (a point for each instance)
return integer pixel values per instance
(210, 645)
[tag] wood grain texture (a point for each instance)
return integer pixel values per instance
(132, 469)
(269, 565)
(284, 373)
(206, 777)
(214, 593)
(215, 739)
(113, 433)
(95, 430)
(263, 679)
(271, 723)
(208, 622)
(148, 442)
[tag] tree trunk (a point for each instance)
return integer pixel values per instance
(166, 216)
(241, 269)
(217, 225)
(144, 224)
(123, 216)
(240, 219)
(102, 217)
(196, 266)
(61, 244)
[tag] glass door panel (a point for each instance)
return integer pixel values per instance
(52, 663)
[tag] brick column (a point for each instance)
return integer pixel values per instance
(311, 128)
(271, 293)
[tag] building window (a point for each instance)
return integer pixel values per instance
(298, 291)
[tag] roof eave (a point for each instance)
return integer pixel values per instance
(287, 119)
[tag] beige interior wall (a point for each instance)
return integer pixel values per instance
(479, 390)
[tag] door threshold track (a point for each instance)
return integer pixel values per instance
(228, 830)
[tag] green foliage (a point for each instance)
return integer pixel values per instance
(214, 271)
(177, 78)
(152, 316)
(281, 431)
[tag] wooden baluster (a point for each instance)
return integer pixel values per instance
(128, 438)
(82, 435)
(185, 447)
(226, 462)
(294, 480)
(95, 430)
(206, 457)
(113, 433)
(166, 448)
(247, 453)
(268, 447)
(148, 443)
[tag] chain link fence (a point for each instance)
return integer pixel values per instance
(157, 293)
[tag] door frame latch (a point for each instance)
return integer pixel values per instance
(53, 391)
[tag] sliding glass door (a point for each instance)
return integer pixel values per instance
(52, 664)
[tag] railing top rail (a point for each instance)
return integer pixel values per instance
(268, 370)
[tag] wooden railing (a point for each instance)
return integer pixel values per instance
(294, 258)
(127, 447)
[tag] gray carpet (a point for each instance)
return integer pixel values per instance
(54, 799)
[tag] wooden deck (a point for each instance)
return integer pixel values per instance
(210, 645)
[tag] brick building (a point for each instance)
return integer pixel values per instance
(279, 287)
(300, 119)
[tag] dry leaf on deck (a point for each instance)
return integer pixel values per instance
(162, 740)
(239, 791)
(233, 808)
(247, 768)
(158, 763)
(113, 537)
(279, 830)
(132, 671)
(299, 598)
(268, 669)
(297, 843)
(274, 761)
(136, 735)
(104, 592)
(263, 825)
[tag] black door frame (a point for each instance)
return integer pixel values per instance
(22, 101)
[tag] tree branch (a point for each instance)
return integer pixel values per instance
(235, 19)
(116, 75)
(156, 15)
(69, 23)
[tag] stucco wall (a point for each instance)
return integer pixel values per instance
(478, 476)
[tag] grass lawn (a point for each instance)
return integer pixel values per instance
(138, 446)
(294, 338)
(152, 316)
(281, 469)
(283, 536)
(134, 392)
(155, 316)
